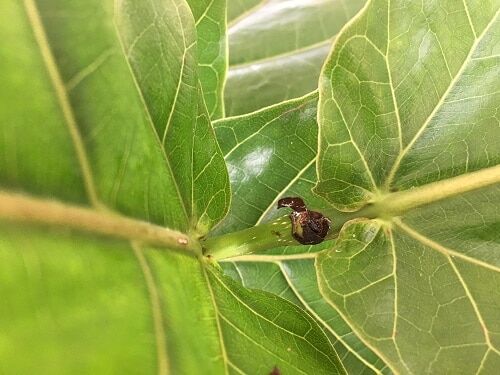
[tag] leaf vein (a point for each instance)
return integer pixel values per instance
(63, 99)
(441, 101)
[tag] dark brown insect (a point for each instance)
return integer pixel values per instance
(308, 227)
(276, 371)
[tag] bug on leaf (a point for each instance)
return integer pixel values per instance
(308, 227)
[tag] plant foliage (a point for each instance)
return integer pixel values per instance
(136, 134)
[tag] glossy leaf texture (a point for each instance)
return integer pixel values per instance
(101, 107)
(270, 154)
(210, 20)
(410, 96)
(277, 48)
(238, 8)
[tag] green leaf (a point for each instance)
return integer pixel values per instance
(75, 303)
(256, 325)
(277, 48)
(73, 124)
(391, 123)
(269, 153)
(415, 292)
(116, 136)
(295, 280)
(406, 294)
(408, 102)
(239, 8)
(210, 19)
(168, 84)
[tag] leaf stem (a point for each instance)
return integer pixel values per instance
(395, 204)
(265, 236)
(261, 237)
(268, 236)
(17, 207)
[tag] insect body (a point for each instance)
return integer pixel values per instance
(308, 227)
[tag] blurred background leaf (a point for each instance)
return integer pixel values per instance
(277, 48)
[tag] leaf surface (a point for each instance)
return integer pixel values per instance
(161, 51)
(409, 96)
(262, 324)
(89, 138)
(269, 153)
(84, 304)
(277, 48)
(238, 8)
(210, 20)
(295, 280)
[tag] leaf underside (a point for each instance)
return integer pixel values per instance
(419, 105)
(409, 95)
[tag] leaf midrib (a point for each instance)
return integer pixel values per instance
(22, 208)
(395, 204)
(217, 320)
(154, 298)
(25, 209)
(417, 236)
